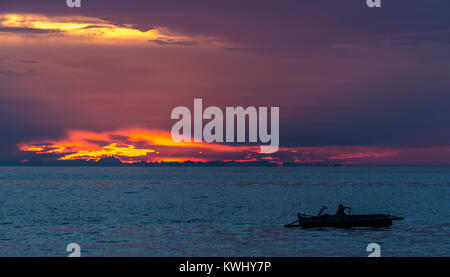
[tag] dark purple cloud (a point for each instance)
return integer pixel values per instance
(26, 30)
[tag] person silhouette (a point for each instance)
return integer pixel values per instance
(341, 209)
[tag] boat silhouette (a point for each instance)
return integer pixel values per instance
(342, 220)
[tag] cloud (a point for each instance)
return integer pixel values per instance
(22, 30)
(12, 73)
(342, 74)
(173, 42)
(130, 145)
(267, 25)
(136, 145)
(90, 29)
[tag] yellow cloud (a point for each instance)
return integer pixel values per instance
(129, 145)
(87, 29)
(109, 150)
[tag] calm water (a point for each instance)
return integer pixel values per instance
(219, 211)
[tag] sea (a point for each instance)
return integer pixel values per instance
(219, 211)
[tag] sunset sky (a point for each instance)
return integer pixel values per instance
(354, 85)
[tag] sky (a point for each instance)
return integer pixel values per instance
(354, 85)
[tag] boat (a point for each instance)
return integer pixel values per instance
(343, 220)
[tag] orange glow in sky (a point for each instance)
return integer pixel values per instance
(129, 145)
(93, 30)
(146, 145)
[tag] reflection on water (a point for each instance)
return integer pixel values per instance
(219, 211)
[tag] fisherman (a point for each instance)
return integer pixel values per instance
(341, 209)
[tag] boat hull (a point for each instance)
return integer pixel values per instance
(345, 221)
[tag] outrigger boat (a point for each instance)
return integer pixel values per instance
(342, 220)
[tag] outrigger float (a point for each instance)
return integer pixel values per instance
(342, 220)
